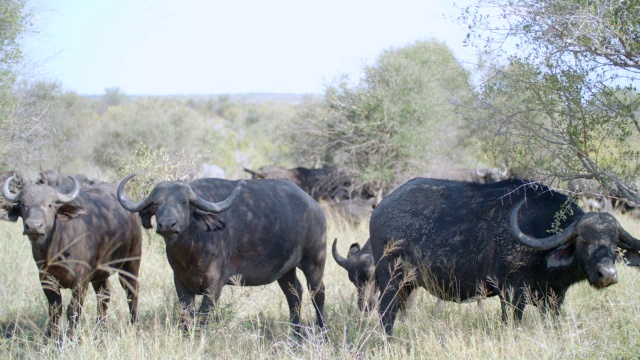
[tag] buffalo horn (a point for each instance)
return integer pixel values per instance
(13, 198)
(628, 239)
(482, 173)
(128, 204)
(65, 198)
(253, 173)
(210, 207)
(503, 174)
(343, 262)
(539, 243)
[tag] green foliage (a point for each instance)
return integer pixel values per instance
(152, 166)
(558, 93)
(560, 217)
(112, 97)
(158, 123)
(13, 23)
(62, 130)
(393, 123)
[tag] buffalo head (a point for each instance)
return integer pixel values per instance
(589, 242)
(491, 175)
(40, 206)
(361, 270)
(175, 205)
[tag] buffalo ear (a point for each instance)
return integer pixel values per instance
(145, 218)
(353, 249)
(561, 257)
(207, 221)
(67, 212)
(630, 256)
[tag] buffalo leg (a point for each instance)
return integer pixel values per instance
(517, 302)
(128, 277)
(186, 300)
(74, 310)
(393, 292)
(103, 295)
(54, 298)
(313, 272)
(293, 292)
(209, 301)
(503, 310)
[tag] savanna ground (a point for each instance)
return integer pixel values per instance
(251, 323)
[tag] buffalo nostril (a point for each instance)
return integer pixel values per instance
(608, 273)
(167, 226)
(33, 225)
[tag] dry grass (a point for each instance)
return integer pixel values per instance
(252, 321)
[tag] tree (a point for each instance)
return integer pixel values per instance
(559, 91)
(392, 124)
(13, 23)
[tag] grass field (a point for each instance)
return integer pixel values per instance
(252, 322)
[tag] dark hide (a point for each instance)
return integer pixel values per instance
(272, 228)
(80, 242)
(309, 180)
(55, 179)
(321, 184)
(455, 239)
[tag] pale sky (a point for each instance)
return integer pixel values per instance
(191, 47)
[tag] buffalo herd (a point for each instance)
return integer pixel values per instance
(462, 238)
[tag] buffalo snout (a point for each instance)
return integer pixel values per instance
(606, 274)
(167, 226)
(33, 227)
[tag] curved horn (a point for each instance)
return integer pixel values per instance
(503, 174)
(128, 204)
(65, 198)
(253, 173)
(539, 243)
(628, 239)
(13, 198)
(481, 174)
(343, 262)
(210, 207)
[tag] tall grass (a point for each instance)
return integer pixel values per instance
(251, 322)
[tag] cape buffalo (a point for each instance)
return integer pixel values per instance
(259, 233)
(481, 175)
(17, 184)
(463, 240)
(314, 182)
(322, 184)
(79, 237)
(55, 179)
